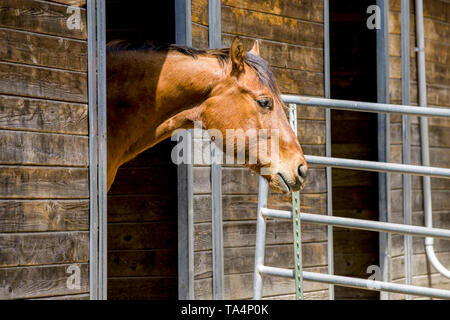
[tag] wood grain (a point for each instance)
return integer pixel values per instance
(41, 50)
(40, 281)
(43, 149)
(41, 17)
(43, 215)
(19, 113)
(42, 83)
(42, 182)
(26, 249)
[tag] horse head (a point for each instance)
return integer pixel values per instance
(246, 101)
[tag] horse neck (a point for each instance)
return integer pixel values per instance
(160, 93)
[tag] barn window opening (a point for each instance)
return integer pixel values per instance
(142, 202)
(353, 136)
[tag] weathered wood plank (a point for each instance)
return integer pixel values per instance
(199, 36)
(42, 83)
(421, 265)
(149, 288)
(243, 207)
(76, 3)
(41, 281)
(43, 149)
(40, 50)
(284, 55)
(309, 10)
(142, 263)
(271, 27)
(42, 182)
(140, 236)
(241, 260)
(42, 17)
(43, 115)
(240, 180)
(431, 281)
(299, 82)
(243, 233)
(240, 286)
(43, 215)
(26, 249)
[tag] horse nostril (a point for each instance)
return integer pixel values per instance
(302, 171)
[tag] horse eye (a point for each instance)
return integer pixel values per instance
(265, 103)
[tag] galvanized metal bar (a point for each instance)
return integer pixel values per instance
(359, 283)
(383, 123)
(367, 106)
(91, 18)
(379, 166)
(102, 165)
(406, 134)
(260, 239)
(296, 219)
(183, 24)
(327, 73)
(217, 226)
(277, 272)
(424, 143)
(183, 36)
(277, 214)
(376, 285)
(371, 225)
(215, 41)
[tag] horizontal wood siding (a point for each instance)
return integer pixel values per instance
(291, 40)
(44, 151)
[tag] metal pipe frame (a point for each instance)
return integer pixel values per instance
(260, 239)
(406, 135)
(93, 150)
(428, 209)
(378, 166)
(358, 283)
(366, 106)
(383, 124)
(360, 224)
(102, 165)
(327, 72)
(185, 176)
(215, 41)
(370, 225)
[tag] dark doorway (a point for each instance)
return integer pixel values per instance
(142, 202)
(353, 135)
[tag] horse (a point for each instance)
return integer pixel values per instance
(154, 90)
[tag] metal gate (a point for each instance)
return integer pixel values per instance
(264, 212)
(383, 167)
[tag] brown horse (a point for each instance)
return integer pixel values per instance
(154, 90)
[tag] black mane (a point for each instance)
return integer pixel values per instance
(258, 64)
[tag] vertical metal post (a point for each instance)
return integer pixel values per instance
(93, 150)
(183, 36)
(102, 165)
(406, 134)
(330, 249)
(215, 41)
(260, 239)
(385, 242)
(296, 220)
(183, 26)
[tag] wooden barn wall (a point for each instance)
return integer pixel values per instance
(291, 34)
(437, 56)
(44, 151)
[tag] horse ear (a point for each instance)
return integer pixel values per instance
(237, 55)
(255, 49)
